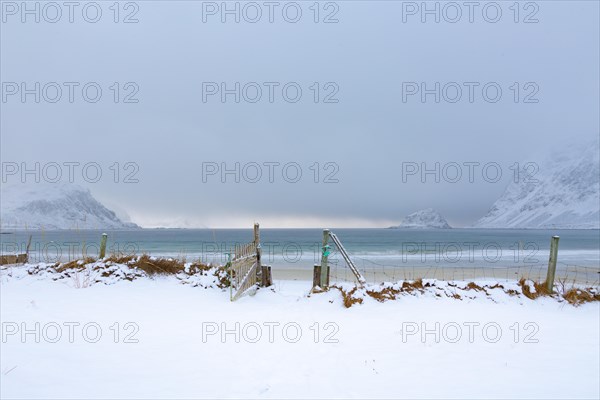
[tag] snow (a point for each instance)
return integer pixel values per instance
(561, 191)
(171, 343)
(54, 206)
(427, 218)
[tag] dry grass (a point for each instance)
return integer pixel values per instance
(540, 289)
(198, 267)
(573, 295)
(579, 296)
(382, 295)
(476, 287)
(120, 259)
(75, 264)
(390, 293)
(412, 286)
(222, 274)
(69, 265)
(86, 272)
(349, 300)
(529, 289)
(159, 266)
(385, 294)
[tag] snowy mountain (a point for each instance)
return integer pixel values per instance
(54, 206)
(564, 192)
(427, 218)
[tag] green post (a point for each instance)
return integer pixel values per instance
(552, 263)
(324, 256)
(103, 245)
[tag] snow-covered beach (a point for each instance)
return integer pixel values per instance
(156, 338)
(299, 200)
(147, 326)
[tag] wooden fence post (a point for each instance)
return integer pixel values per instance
(259, 271)
(267, 276)
(27, 250)
(316, 275)
(324, 260)
(229, 275)
(103, 245)
(552, 263)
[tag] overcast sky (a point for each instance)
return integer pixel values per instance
(175, 140)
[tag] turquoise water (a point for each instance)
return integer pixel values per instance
(301, 248)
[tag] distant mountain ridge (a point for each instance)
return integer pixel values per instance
(422, 219)
(55, 206)
(563, 194)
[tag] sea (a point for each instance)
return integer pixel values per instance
(302, 248)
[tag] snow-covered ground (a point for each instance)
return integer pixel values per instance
(157, 338)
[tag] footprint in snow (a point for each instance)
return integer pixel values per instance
(370, 364)
(264, 390)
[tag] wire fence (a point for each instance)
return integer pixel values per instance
(377, 272)
(55, 247)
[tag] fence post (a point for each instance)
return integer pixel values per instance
(269, 275)
(316, 275)
(103, 245)
(259, 271)
(27, 250)
(324, 263)
(552, 263)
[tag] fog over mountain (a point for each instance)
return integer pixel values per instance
(562, 191)
(55, 206)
